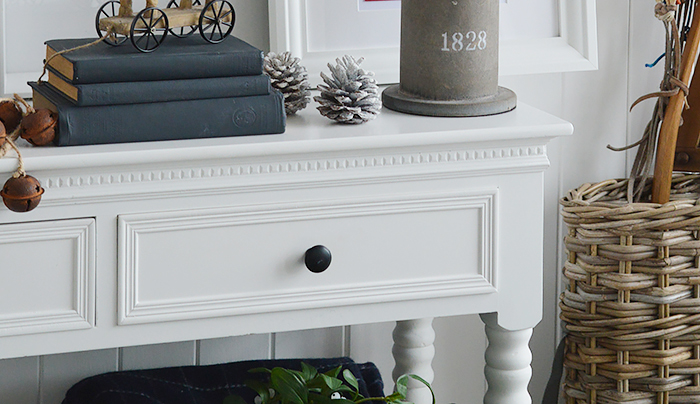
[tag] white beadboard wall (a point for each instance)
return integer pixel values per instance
(595, 102)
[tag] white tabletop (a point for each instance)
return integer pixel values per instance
(307, 131)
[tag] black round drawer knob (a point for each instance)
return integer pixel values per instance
(317, 258)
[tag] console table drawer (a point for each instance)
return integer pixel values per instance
(243, 260)
(48, 281)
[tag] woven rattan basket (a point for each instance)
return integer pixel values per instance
(632, 304)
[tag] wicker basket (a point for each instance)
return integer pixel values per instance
(632, 305)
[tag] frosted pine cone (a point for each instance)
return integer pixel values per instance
(351, 95)
(290, 78)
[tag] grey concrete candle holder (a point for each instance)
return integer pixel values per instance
(449, 60)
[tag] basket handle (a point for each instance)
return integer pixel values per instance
(668, 134)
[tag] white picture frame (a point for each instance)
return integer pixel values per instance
(574, 49)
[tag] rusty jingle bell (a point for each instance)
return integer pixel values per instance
(22, 194)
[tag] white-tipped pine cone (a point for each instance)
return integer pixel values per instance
(290, 78)
(351, 95)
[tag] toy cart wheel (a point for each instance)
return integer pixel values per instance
(149, 29)
(216, 21)
(109, 9)
(182, 32)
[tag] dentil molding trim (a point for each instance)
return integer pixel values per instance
(477, 160)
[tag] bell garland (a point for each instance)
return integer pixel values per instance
(22, 192)
(350, 95)
(289, 77)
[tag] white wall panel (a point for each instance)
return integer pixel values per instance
(596, 103)
(252, 22)
(459, 363)
(157, 356)
(19, 381)
(372, 343)
(60, 372)
(232, 349)
(320, 343)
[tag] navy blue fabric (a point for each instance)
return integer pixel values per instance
(202, 384)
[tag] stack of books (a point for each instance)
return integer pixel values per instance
(189, 89)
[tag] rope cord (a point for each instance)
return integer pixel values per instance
(95, 42)
(673, 16)
(20, 162)
(12, 137)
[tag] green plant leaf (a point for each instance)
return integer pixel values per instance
(350, 379)
(316, 383)
(331, 382)
(308, 371)
(290, 388)
(298, 373)
(260, 370)
(394, 397)
(234, 399)
(334, 372)
(420, 379)
(345, 388)
(402, 385)
(263, 389)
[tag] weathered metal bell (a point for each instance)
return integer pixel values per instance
(22, 194)
(10, 115)
(39, 127)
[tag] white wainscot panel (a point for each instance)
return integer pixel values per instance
(243, 260)
(48, 276)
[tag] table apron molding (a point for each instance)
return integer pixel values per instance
(231, 179)
(133, 227)
(178, 310)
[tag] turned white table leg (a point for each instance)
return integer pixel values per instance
(508, 359)
(413, 354)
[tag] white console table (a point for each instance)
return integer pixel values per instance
(173, 241)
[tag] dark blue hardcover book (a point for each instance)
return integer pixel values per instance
(176, 58)
(171, 120)
(140, 92)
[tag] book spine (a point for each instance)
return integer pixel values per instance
(171, 90)
(173, 120)
(155, 68)
(104, 64)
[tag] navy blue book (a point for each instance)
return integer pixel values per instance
(179, 58)
(171, 120)
(139, 92)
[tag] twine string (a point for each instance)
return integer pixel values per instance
(670, 86)
(12, 137)
(28, 107)
(109, 32)
(665, 12)
(20, 162)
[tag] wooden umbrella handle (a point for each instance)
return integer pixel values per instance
(668, 134)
